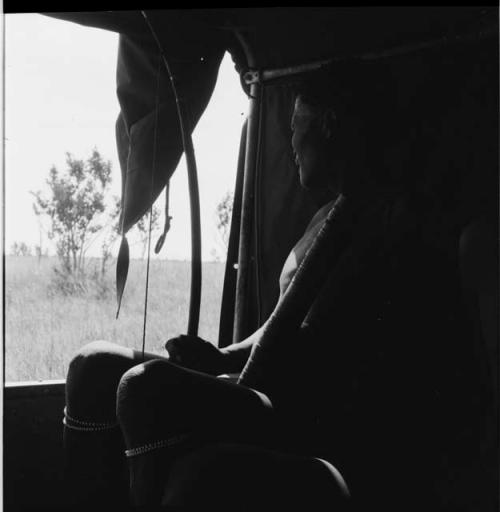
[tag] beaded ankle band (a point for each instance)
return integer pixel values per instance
(156, 445)
(86, 426)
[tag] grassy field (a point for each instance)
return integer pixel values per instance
(44, 327)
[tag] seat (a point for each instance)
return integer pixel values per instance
(478, 250)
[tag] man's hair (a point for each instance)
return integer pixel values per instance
(348, 88)
(363, 91)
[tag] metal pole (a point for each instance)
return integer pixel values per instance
(247, 209)
(247, 202)
(262, 76)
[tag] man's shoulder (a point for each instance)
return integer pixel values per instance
(320, 215)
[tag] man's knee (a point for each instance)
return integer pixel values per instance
(145, 382)
(154, 382)
(93, 377)
(147, 396)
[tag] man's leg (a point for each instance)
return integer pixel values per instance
(95, 463)
(165, 410)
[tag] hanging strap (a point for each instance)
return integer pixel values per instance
(153, 169)
(168, 218)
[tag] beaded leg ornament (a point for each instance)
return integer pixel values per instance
(156, 445)
(86, 426)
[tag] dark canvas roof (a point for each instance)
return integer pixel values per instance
(282, 36)
(194, 41)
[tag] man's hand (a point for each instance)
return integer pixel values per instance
(196, 354)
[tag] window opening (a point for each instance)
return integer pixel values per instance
(60, 98)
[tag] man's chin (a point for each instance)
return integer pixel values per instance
(309, 184)
(305, 182)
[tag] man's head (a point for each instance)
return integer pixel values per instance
(337, 119)
(326, 141)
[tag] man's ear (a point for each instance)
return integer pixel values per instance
(328, 123)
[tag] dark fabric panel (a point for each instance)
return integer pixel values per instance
(195, 68)
(282, 211)
(283, 208)
(229, 291)
(115, 21)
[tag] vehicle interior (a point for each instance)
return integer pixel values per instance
(447, 52)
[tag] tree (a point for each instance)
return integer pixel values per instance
(40, 252)
(20, 249)
(39, 249)
(74, 206)
(223, 212)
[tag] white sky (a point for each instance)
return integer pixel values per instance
(60, 97)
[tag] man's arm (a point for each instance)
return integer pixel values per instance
(236, 355)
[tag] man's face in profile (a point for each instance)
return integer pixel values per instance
(311, 146)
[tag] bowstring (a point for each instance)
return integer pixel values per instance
(153, 170)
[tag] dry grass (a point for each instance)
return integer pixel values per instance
(44, 328)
